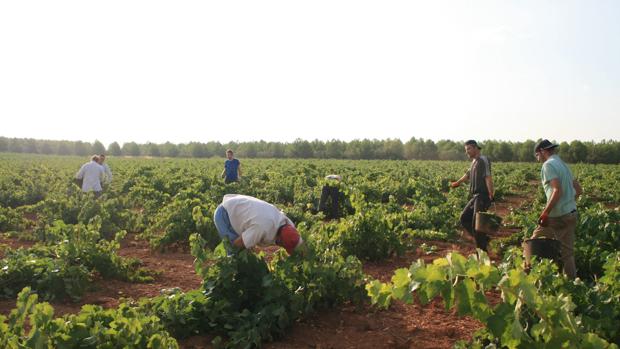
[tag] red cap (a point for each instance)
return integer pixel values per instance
(289, 238)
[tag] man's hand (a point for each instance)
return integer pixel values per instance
(491, 197)
(543, 220)
(239, 243)
(454, 184)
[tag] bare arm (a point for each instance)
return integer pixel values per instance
(460, 180)
(239, 170)
(489, 181)
(239, 243)
(578, 189)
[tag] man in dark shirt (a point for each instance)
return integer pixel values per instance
(232, 168)
(480, 190)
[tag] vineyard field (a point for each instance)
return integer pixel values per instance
(142, 266)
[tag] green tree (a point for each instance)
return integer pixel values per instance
(393, 149)
(98, 148)
(45, 147)
(81, 148)
(276, 149)
(504, 152)
(248, 149)
(578, 152)
(4, 144)
(335, 149)
(215, 149)
(63, 148)
(197, 150)
(152, 149)
(301, 149)
(130, 149)
(114, 149)
(450, 150)
(170, 150)
(15, 145)
(525, 151)
(30, 146)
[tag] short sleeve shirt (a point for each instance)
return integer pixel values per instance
(554, 168)
(91, 174)
(232, 167)
(479, 170)
(256, 220)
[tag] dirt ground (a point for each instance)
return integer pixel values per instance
(362, 326)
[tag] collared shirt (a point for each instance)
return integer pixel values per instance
(255, 220)
(91, 174)
(108, 173)
(554, 168)
(479, 170)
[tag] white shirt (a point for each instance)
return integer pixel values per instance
(91, 173)
(108, 173)
(333, 176)
(256, 221)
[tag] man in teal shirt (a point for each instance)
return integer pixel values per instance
(559, 217)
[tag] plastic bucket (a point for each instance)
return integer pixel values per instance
(487, 222)
(542, 248)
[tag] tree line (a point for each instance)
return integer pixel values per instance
(604, 152)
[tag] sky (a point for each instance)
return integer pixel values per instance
(157, 71)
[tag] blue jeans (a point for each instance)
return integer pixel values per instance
(222, 223)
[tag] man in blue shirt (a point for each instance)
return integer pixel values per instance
(232, 168)
(559, 217)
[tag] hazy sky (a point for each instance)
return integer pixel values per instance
(185, 71)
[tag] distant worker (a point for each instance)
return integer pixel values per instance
(481, 192)
(331, 192)
(247, 221)
(91, 174)
(232, 168)
(106, 169)
(559, 217)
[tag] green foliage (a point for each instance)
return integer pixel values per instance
(535, 310)
(599, 238)
(10, 219)
(93, 327)
(389, 206)
(181, 218)
(368, 234)
(65, 267)
(389, 149)
(248, 301)
(52, 277)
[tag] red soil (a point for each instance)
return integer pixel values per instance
(401, 326)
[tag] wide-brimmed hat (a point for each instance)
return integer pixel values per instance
(290, 238)
(474, 143)
(544, 145)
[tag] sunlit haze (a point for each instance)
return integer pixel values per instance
(279, 70)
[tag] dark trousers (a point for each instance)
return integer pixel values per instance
(468, 219)
(332, 194)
